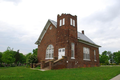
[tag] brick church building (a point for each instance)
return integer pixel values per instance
(60, 45)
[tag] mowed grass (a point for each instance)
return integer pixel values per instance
(92, 73)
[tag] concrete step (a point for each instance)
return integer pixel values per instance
(45, 69)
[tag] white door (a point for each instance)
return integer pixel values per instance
(61, 52)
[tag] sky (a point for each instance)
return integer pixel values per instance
(22, 21)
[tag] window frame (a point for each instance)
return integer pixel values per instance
(74, 23)
(95, 57)
(86, 54)
(63, 21)
(72, 50)
(71, 21)
(60, 24)
(49, 52)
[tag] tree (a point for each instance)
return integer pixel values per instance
(0, 57)
(104, 53)
(8, 56)
(116, 56)
(22, 58)
(35, 51)
(28, 55)
(17, 56)
(103, 59)
(31, 59)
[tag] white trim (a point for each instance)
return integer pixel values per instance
(72, 57)
(60, 24)
(95, 60)
(71, 23)
(87, 59)
(48, 58)
(72, 50)
(63, 21)
(88, 43)
(74, 23)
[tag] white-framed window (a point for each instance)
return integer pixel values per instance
(60, 24)
(63, 21)
(86, 53)
(95, 56)
(74, 23)
(72, 51)
(49, 52)
(71, 21)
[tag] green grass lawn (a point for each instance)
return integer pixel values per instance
(93, 73)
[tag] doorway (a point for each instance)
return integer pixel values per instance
(61, 52)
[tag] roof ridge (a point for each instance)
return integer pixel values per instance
(53, 22)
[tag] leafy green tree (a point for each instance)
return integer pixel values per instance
(8, 56)
(116, 56)
(0, 57)
(17, 56)
(110, 56)
(32, 59)
(35, 51)
(22, 58)
(104, 53)
(103, 59)
(28, 55)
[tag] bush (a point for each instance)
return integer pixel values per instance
(1, 65)
(38, 67)
(32, 59)
(28, 65)
(12, 65)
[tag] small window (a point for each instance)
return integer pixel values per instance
(60, 23)
(71, 21)
(63, 50)
(63, 21)
(74, 23)
(60, 50)
(50, 27)
(72, 51)
(94, 55)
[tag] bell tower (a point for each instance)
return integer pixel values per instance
(67, 25)
(66, 32)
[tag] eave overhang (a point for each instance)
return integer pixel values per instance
(88, 43)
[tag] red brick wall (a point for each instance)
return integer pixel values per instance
(49, 38)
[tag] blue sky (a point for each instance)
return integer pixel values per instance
(21, 21)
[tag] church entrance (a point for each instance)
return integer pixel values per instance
(61, 52)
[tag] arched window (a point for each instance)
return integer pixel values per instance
(49, 52)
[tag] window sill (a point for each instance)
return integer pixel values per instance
(87, 59)
(48, 58)
(95, 60)
(72, 58)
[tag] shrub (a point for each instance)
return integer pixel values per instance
(1, 65)
(31, 59)
(12, 65)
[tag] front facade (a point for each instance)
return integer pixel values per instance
(61, 38)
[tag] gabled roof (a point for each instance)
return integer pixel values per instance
(53, 22)
(44, 30)
(81, 37)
